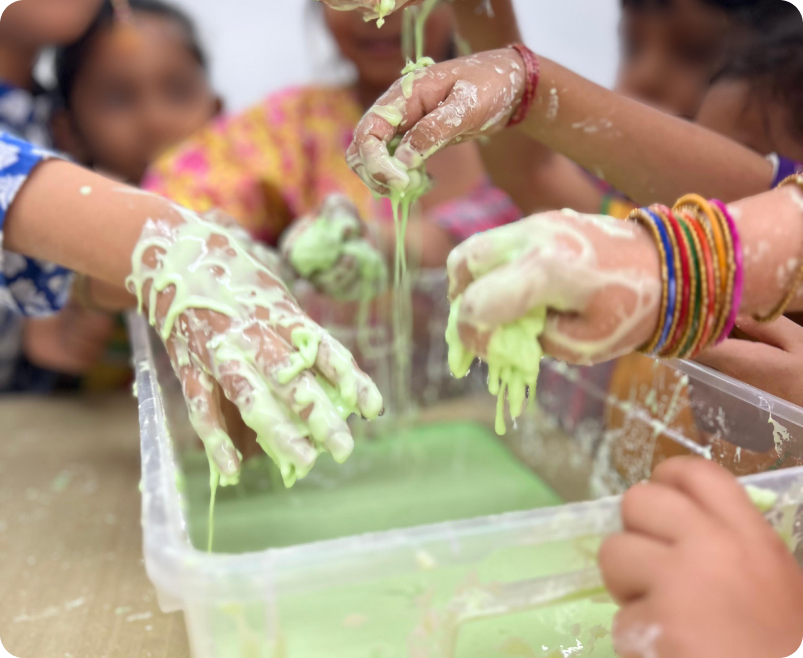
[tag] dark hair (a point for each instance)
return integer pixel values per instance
(70, 59)
(772, 64)
(754, 14)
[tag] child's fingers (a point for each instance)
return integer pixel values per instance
(283, 438)
(206, 416)
(338, 366)
(483, 253)
(371, 138)
(746, 361)
(286, 374)
(504, 295)
(714, 490)
(448, 120)
(629, 564)
(783, 333)
(660, 513)
(635, 634)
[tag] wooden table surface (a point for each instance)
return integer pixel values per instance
(72, 581)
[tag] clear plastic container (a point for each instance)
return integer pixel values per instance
(522, 583)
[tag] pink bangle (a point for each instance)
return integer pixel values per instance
(532, 68)
(738, 279)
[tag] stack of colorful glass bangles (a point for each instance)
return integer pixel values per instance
(702, 273)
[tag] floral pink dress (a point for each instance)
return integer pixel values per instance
(278, 160)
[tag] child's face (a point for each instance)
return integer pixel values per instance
(39, 23)
(377, 53)
(669, 54)
(733, 109)
(135, 97)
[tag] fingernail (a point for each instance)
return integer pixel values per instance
(227, 460)
(341, 445)
(409, 156)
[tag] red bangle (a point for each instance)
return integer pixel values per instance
(532, 68)
(675, 340)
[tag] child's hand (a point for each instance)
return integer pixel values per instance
(331, 249)
(432, 108)
(769, 357)
(374, 8)
(266, 255)
(699, 573)
(229, 322)
(70, 342)
(598, 277)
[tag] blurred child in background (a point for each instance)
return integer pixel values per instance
(126, 93)
(25, 109)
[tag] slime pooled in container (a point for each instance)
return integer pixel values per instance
(430, 474)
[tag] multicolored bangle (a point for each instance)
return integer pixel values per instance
(797, 280)
(709, 290)
(532, 66)
(701, 271)
(646, 220)
(738, 277)
(678, 336)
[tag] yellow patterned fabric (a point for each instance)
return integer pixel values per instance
(271, 164)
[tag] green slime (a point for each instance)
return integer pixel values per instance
(442, 472)
(513, 356)
(325, 242)
(184, 262)
(434, 473)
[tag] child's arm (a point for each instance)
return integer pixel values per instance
(644, 153)
(699, 572)
(535, 176)
(601, 278)
(229, 324)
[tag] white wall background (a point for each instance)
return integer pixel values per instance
(257, 46)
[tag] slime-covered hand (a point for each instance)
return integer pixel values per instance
(374, 9)
(586, 288)
(699, 572)
(430, 108)
(229, 323)
(332, 250)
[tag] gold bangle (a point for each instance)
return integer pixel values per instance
(684, 248)
(723, 245)
(797, 281)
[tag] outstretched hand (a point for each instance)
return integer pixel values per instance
(231, 325)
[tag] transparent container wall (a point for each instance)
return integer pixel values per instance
(523, 583)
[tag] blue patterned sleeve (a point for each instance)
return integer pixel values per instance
(27, 286)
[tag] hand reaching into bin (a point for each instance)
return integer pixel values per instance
(333, 250)
(699, 572)
(229, 323)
